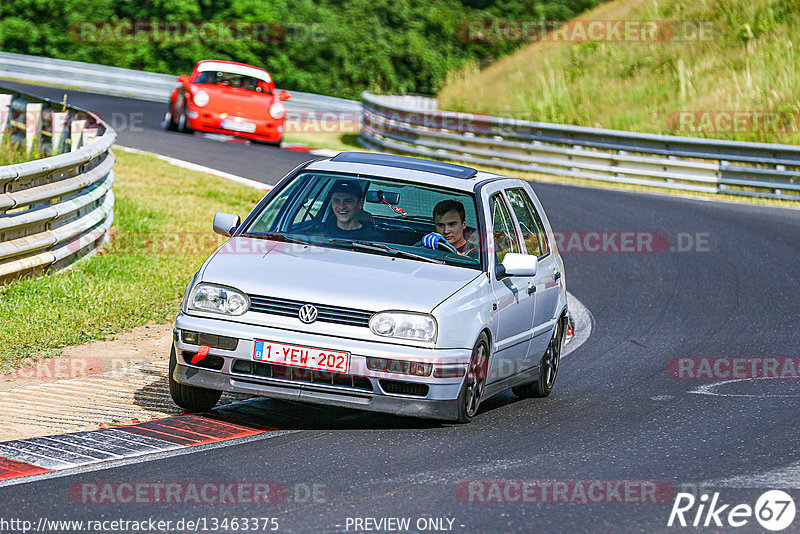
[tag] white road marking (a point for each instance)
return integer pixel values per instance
(583, 324)
(200, 168)
(708, 389)
(782, 478)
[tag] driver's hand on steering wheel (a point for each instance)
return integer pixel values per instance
(436, 241)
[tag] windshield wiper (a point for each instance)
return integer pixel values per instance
(275, 237)
(380, 247)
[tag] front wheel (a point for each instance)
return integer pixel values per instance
(548, 368)
(475, 382)
(190, 398)
(169, 121)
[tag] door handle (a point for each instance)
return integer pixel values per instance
(556, 275)
(531, 289)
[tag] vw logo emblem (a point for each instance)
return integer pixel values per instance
(308, 313)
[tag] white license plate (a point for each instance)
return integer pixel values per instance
(236, 126)
(333, 361)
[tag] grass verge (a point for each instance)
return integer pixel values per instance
(161, 235)
(12, 153)
(688, 83)
(333, 140)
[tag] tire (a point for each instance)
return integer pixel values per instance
(169, 121)
(469, 399)
(548, 368)
(190, 398)
(181, 122)
(182, 127)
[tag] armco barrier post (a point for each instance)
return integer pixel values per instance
(5, 114)
(59, 122)
(33, 126)
(76, 134)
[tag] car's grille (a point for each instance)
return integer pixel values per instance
(269, 370)
(404, 388)
(291, 308)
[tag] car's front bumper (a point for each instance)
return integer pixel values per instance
(317, 394)
(270, 130)
(439, 400)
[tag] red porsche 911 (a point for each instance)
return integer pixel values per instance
(228, 98)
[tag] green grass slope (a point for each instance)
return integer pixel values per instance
(738, 80)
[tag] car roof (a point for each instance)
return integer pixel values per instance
(406, 168)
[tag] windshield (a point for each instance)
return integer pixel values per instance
(230, 79)
(413, 221)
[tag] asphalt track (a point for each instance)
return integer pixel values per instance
(616, 413)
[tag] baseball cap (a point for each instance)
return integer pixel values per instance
(350, 187)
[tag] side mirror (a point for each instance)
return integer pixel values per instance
(517, 265)
(226, 223)
(284, 95)
(184, 78)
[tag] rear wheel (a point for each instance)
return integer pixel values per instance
(190, 398)
(469, 399)
(548, 368)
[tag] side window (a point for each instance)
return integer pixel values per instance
(505, 238)
(531, 225)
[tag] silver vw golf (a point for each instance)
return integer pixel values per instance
(377, 282)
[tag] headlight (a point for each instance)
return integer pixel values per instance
(200, 98)
(277, 110)
(404, 325)
(217, 299)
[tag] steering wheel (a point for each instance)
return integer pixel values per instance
(437, 242)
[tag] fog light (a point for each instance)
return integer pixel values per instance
(399, 366)
(189, 337)
(376, 364)
(419, 369)
(448, 372)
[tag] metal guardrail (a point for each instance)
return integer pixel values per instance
(413, 125)
(57, 209)
(130, 83)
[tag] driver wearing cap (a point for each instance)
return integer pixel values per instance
(347, 203)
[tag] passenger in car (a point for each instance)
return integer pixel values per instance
(349, 220)
(451, 222)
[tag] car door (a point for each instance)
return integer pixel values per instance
(512, 324)
(548, 272)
